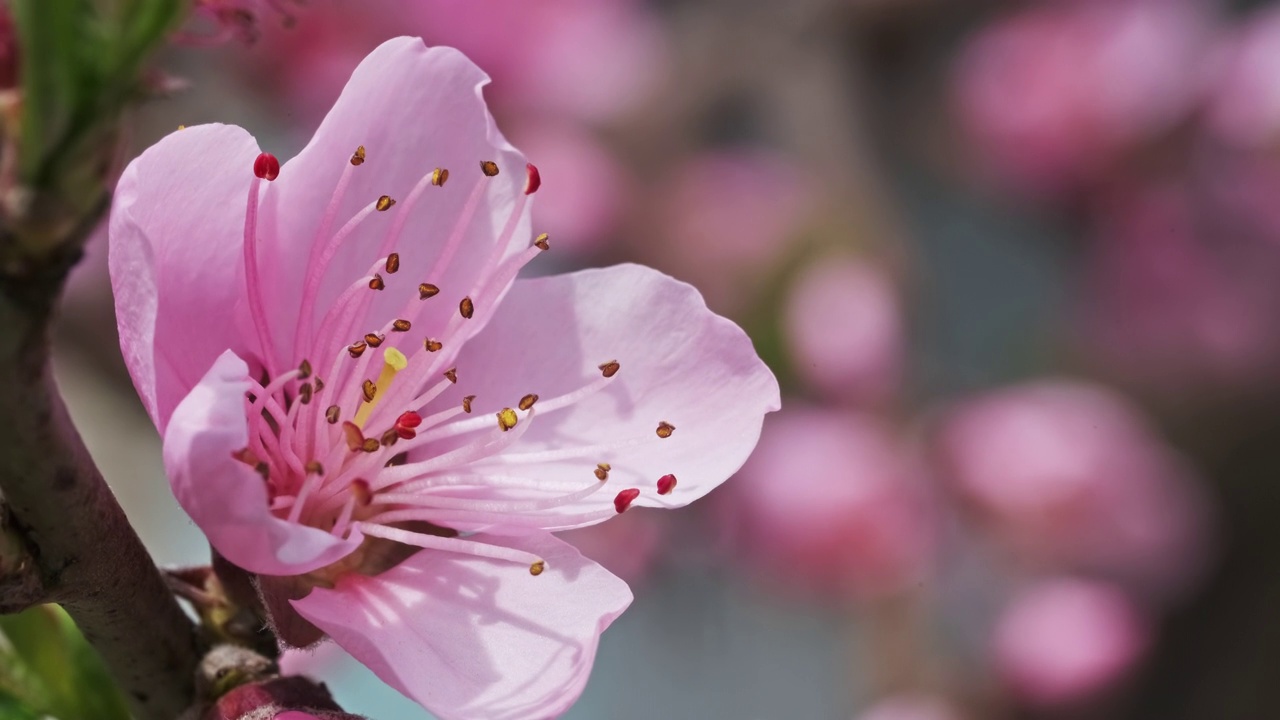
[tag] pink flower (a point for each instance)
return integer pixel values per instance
(1245, 107)
(1054, 93)
(361, 404)
(844, 329)
(831, 503)
(1069, 475)
(1065, 639)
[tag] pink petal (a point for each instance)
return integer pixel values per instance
(413, 109)
(224, 496)
(470, 637)
(680, 364)
(175, 258)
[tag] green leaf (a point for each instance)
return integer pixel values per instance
(47, 666)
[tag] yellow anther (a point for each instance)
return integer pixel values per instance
(507, 419)
(535, 569)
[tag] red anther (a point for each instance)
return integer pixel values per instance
(625, 498)
(666, 484)
(409, 419)
(266, 166)
(406, 423)
(535, 179)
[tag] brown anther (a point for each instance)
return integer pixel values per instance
(357, 158)
(263, 469)
(353, 435)
(439, 177)
(393, 263)
(314, 467)
(319, 384)
(451, 375)
(356, 349)
(665, 429)
(384, 203)
(331, 414)
(304, 394)
(666, 484)
(369, 389)
(541, 241)
(374, 340)
(610, 368)
(370, 445)
(536, 568)
(426, 290)
(527, 401)
(389, 438)
(401, 326)
(246, 456)
(489, 168)
(304, 370)
(507, 419)
(376, 282)
(467, 308)
(602, 471)
(432, 345)
(466, 403)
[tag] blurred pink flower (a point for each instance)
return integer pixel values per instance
(1065, 639)
(1069, 475)
(844, 329)
(585, 190)
(581, 59)
(1176, 302)
(1245, 105)
(239, 20)
(830, 502)
(910, 707)
(371, 502)
(728, 216)
(1052, 94)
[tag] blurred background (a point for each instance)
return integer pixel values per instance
(1015, 264)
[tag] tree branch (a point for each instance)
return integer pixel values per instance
(88, 557)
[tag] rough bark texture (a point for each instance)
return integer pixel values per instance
(87, 556)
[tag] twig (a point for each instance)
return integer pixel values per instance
(89, 558)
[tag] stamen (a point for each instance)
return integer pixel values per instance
(466, 403)
(624, 499)
(377, 283)
(489, 168)
(426, 290)
(373, 340)
(610, 368)
(666, 484)
(266, 166)
(357, 158)
(393, 263)
(665, 429)
(439, 177)
(537, 568)
(331, 414)
(507, 419)
(533, 181)
(466, 308)
(356, 349)
(401, 326)
(527, 401)
(602, 471)
(432, 345)
(385, 203)
(458, 545)
(542, 242)
(451, 375)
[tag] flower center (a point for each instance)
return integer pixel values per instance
(383, 452)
